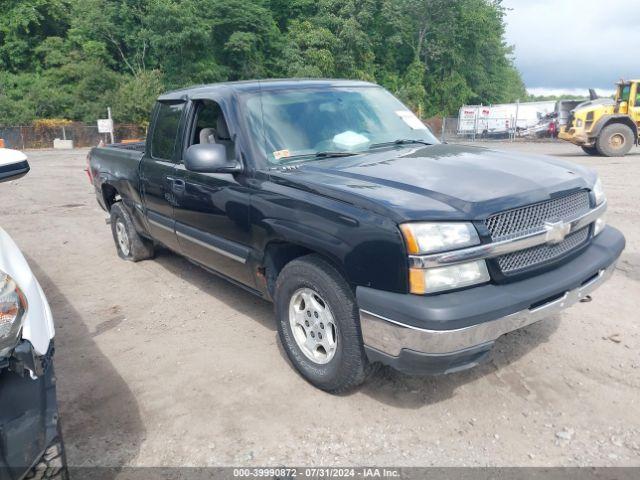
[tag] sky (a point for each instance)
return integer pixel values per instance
(569, 46)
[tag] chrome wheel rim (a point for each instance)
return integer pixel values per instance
(123, 238)
(313, 326)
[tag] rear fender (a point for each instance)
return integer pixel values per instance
(111, 192)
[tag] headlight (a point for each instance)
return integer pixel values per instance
(579, 123)
(433, 280)
(12, 308)
(435, 237)
(598, 192)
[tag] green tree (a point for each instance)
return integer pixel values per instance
(73, 58)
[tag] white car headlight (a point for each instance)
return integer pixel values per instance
(434, 237)
(598, 192)
(438, 279)
(12, 308)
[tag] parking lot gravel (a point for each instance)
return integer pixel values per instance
(163, 364)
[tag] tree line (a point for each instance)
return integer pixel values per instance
(73, 58)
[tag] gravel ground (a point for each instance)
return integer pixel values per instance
(161, 363)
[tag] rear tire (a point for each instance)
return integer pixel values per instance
(129, 244)
(593, 151)
(615, 140)
(310, 291)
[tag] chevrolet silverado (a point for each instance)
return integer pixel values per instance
(375, 242)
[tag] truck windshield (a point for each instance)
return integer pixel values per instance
(308, 124)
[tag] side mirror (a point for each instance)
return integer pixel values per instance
(209, 158)
(13, 164)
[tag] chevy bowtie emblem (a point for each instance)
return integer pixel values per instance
(556, 231)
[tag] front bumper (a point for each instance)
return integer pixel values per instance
(450, 332)
(575, 137)
(28, 418)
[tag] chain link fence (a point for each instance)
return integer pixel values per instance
(447, 129)
(32, 137)
(450, 129)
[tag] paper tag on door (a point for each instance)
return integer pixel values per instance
(410, 119)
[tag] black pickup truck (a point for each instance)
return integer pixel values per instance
(376, 243)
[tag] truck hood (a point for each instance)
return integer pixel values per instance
(438, 182)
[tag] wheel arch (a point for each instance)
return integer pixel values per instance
(278, 253)
(110, 195)
(611, 119)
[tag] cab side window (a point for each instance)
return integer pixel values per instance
(211, 127)
(626, 93)
(165, 130)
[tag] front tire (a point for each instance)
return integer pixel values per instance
(319, 325)
(129, 244)
(593, 151)
(615, 140)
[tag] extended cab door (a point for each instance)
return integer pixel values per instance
(212, 212)
(157, 172)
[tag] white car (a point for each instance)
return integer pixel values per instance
(30, 444)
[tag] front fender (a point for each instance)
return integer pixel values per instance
(308, 237)
(366, 246)
(608, 119)
(37, 325)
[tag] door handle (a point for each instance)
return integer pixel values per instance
(176, 183)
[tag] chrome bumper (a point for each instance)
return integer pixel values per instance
(390, 337)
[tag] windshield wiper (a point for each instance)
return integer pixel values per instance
(317, 155)
(401, 141)
(329, 154)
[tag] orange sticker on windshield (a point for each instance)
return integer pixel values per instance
(281, 154)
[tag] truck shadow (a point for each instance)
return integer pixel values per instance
(98, 411)
(209, 283)
(387, 385)
(403, 391)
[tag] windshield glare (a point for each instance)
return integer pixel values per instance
(298, 124)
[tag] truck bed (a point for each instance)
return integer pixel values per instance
(135, 146)
(118, 165)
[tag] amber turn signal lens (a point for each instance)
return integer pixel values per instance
(410, 239)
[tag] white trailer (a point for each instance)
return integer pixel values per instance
(501, 119)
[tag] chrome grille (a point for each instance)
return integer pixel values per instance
(531, 219)
(542, 253)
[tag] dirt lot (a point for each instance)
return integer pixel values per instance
(161, 363)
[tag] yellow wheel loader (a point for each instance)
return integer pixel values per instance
(607, 127)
